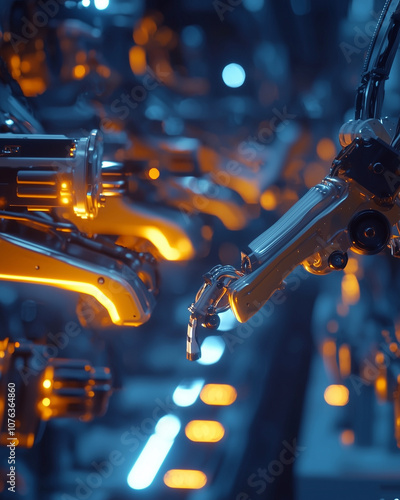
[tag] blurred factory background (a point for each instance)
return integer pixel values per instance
(216, 117)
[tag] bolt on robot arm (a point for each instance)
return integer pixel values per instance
(355, 207)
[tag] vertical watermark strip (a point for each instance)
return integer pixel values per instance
(13, 442)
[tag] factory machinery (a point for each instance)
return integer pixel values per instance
(143, 143)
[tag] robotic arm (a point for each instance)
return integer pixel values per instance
(42, 173)
(355, 207)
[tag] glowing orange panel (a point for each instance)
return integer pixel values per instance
(328, 348)
(30, 440)
(344, 360)
(350, 289)
(15, 61)
(381, 387)
(352, 266)
(185, 479)
(218, 394)
(32, 87)
(169, 252)
(137, 60)
(204, 431)
(336, 395)
(26, 66)
(74, 286)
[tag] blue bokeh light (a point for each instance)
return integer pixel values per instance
(186, 394)
(154, 453)
(212, 350)
(101, 4)
(233, 75)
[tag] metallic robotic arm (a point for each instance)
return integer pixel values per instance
(42, 173)
(355, 207)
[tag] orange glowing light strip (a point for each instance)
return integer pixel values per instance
(381, 387)
(350, 289)
(185, 479)
(74, 286)
(40, 196)
(161, 242)
(351, 266)
(137, 60)
(218, 394)
(204, 431)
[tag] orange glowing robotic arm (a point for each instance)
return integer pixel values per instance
(41, 173)
(119, 290)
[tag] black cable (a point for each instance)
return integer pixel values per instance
(375, 35)
(370, 92)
